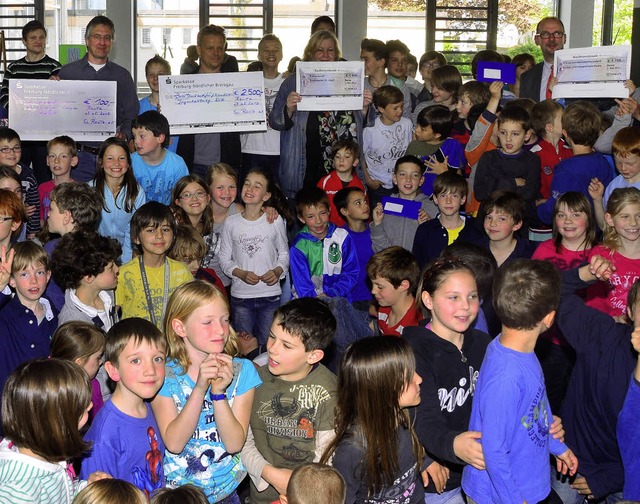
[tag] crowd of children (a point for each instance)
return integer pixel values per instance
(401, 331)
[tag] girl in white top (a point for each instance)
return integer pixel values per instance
(255, 254)
(45, 403)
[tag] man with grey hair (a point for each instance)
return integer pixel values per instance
(95, 65)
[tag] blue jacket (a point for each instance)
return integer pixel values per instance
(328, 266)
(605, 360)
(575, 174)
(432, 238)
(293, 139)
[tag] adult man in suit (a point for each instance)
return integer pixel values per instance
(551, 37)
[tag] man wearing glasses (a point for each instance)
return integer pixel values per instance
(99, 37)
(550, 36)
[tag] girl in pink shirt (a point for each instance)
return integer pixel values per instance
(621, 246)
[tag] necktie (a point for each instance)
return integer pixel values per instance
(547, 90)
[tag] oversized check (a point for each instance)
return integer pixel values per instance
(41, 109)
(214, 102)
(330, 85)
(592, 72)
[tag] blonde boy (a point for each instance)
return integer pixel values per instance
(62, 156)
(626, 154)
(394, 275)
(124, 434)
(27, 320)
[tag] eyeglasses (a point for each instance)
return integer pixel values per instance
(546, 35)
(197, 195)
(4, 219)
(7, 150)
(431, 66)
(101, 38)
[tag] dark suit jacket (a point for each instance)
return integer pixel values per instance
(530, 82)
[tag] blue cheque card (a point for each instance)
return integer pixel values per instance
(401, 207)
(489, 71)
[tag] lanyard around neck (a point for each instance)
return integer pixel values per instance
(147, 291)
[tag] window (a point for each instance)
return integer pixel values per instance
(145, 37)
(187, 37)
(166, 36)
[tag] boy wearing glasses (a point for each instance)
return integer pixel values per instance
(10, 154)
(62, 156)
(156, 169)
(550, 36)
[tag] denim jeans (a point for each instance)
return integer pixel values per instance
(562, 486)
(454, 496)
(254, 315)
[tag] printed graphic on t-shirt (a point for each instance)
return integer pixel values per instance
(150, 477)
(536, 420)
(457, 396)
(290, 420)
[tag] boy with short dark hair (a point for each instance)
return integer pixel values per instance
(62, 157)
(322, 259)
(125, 437)
(510, 405)
(581, 122)
(389, 229)
(375, 56)
(149, 279)
(510, 167)
(293, 411)
(74, 207)
(27, 320)
(394, 275)
(502, 214)
(434, 146)
(85, 266)
(450, 225)
(386, 140)
(156, 169)
(155, 68)
(346, 156)
(471, 94)
(10, 155)
(546, 121)
(352, 204)
(397, 68)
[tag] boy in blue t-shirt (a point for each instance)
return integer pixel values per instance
(510, 405)
(156, 169)
(125, 436)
